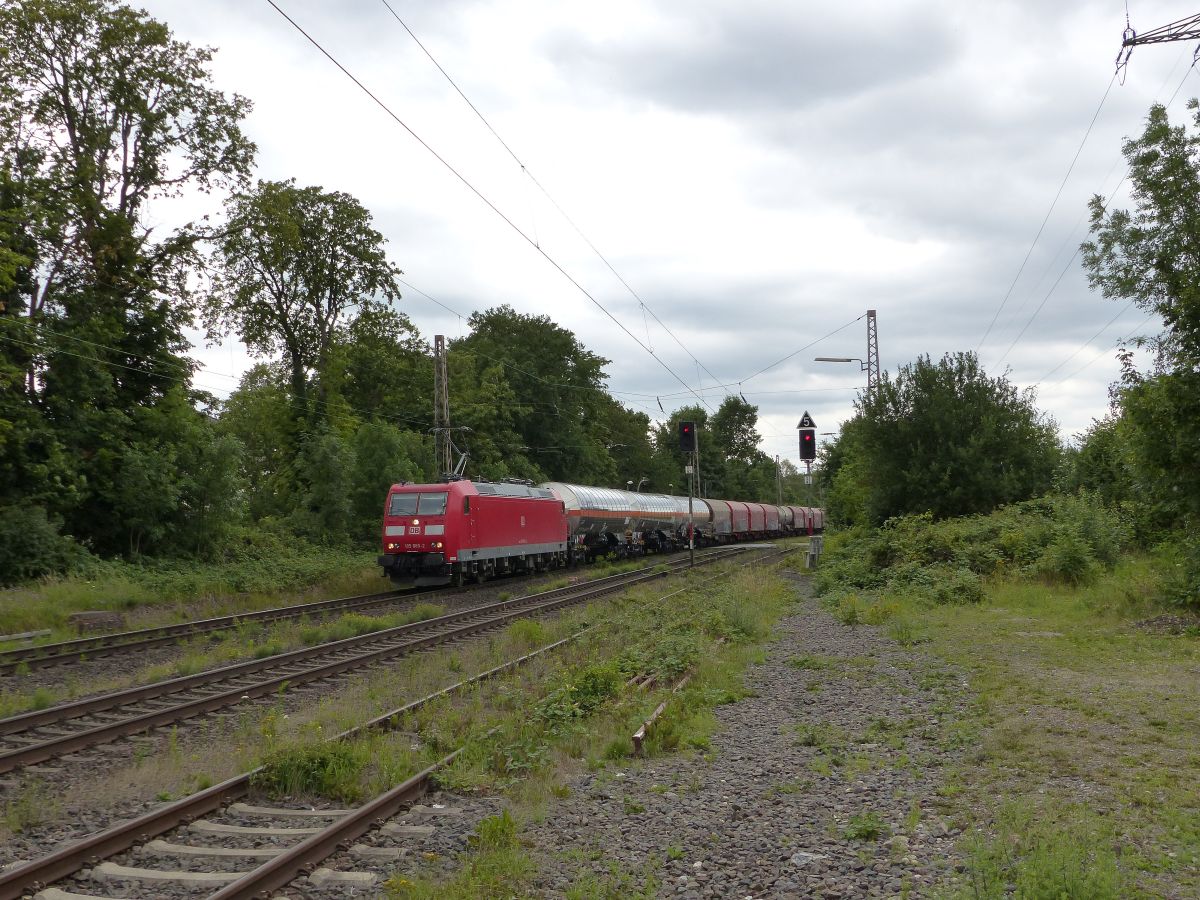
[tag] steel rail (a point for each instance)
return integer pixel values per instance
(461, 625)
(284, 868)
(303, 857)
(99, 646)
(63, 652)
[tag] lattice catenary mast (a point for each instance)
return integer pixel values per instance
(441, 406)
(872, 352)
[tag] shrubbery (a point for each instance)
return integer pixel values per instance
(1066, 540)
(31, 545)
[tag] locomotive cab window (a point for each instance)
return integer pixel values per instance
(403, 505)
(432, 505)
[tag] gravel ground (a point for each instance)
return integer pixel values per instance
(840, 728)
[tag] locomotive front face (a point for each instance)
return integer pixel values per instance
(416, 545)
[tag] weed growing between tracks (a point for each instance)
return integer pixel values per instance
(1082, 777)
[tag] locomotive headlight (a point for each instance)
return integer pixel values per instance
(416, 521)
(437, 545)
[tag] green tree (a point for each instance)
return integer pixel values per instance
(557, 389)
(382, 368)
(258, 415)
(1150, 255)
(102, 114)
(326, 465)
(733, 431)
(948, 439)
(293, 263)
(383, 455)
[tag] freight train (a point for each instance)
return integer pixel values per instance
(455, 531)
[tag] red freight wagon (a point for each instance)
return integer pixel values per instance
(803, 519)
(773, 516)
(438, 533)
(758, 518)
(740, 514)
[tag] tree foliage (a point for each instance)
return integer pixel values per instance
(294, 262)
(943, 438)
(102, 114)
(107, 449)
(1150, 255)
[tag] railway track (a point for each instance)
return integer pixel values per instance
(99, 646)
(42, 735)
(282, 863)
(65, 652)
(287, 843)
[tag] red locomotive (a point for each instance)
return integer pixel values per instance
(438, 533)
(449, 532)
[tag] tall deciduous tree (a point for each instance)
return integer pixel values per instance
(102, 113)
(948, 439)
(1151, 256)
(558, 389)
(294, 263)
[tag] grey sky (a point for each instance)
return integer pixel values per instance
(761, 173)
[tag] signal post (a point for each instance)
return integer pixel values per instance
(689, 443)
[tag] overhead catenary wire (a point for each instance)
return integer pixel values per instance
(1079, 249)
(646, 308)
(1086, 343)
(1053, 203)
(1099, 356)
(482, 197)
(807, 346)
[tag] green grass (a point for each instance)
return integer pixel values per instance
(569, 712)
(159, 593)
(865, 827)
(29, 808)
(496, 867)
(1079, 775)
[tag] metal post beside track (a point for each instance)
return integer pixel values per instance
(691, 527)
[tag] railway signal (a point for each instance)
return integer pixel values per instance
(808, 444)
(687, 437)
(808, 438)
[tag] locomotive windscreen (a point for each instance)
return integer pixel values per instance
(429, 504)
(432, 505)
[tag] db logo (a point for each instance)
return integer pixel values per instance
(414, 529)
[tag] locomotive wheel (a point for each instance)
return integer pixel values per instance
(456, 576)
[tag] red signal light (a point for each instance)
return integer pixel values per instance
(808, 443)
(687, 436)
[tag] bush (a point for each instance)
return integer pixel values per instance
(583, 693)
(1068, 559)
(1181, 587)
(1065, 539)
(31, 545)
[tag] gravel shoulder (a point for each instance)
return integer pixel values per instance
(821, 783)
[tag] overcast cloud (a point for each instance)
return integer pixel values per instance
(761, 173)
